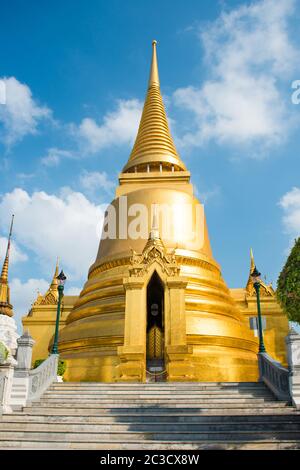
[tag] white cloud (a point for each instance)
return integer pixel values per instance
(96, 182)
(290, 203)
(16, 254)
(21, 114)
(119, 127)
(73, 291)
(23, 294)
(55, 155)
(205, 196)
(67, 225)
(248, 55)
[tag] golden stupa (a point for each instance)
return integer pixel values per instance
(155, 302)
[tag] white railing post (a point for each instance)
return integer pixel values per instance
(24, 352)
(22, 369)
(6, 381)
(293, 352)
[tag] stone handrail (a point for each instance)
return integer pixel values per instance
(275, 376)
(42, 377)
(6, 378)
(3, 380)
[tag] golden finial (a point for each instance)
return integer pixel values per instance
(4, 273)
(154, 77)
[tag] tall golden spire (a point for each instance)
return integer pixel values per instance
(154, 144)
(5, 306)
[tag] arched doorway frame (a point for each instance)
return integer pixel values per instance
(132, 355)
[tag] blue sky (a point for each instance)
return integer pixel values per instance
(75, 76)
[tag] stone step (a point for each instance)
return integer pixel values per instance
(233, 411)
(140, 397)
(152, 445)
(159, 385)
(174, 392)
(151, 405)
(57, 389)
(150, 418)
(150, 401)
(148, 427)
(163, 384)
(127, 436)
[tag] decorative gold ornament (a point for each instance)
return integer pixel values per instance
(155, 343)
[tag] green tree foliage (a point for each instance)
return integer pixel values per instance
(61, 366)
(3, 352)
(288, 284)
(37, 363)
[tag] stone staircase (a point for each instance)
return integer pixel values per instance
(153, 416)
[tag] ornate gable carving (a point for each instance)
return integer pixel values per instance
(265, 290)
(48, 299)
(154, 251)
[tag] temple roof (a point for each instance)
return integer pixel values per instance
(154, 142)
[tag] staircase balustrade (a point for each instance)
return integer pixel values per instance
(42, 377)
(275, 376)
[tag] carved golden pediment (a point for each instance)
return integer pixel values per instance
(154, 251)
(265, 290)
(50, 298)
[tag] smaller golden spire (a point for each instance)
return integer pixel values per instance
(266, 290)
(249, 286)
(51, 296)
(154, 77)
(54, 283)
(252, 262)
(4, 273)
(5, 306)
